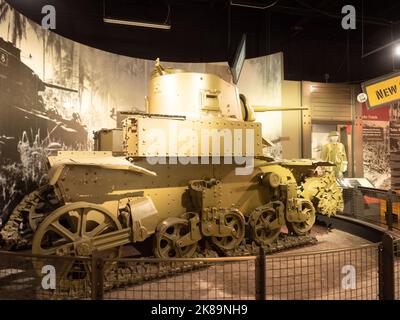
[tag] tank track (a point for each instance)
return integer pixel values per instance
(123, 275)
(284, 242)
(148, 271)
(17, 232)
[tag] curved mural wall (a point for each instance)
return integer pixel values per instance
(55, 92)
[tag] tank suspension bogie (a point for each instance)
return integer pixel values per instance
(265, 223)
(287, 208)
(169, 239)
(231, 230)
(304, 220)
(178, 237)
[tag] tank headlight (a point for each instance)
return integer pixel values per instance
(271, 180)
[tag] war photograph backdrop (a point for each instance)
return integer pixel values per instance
(394, 134)
(55, 92)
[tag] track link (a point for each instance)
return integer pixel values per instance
(17, 233)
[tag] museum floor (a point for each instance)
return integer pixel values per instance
(301, 273)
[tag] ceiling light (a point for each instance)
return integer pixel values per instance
(397, 50)
(152, 25)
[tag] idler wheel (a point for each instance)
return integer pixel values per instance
(69, 231)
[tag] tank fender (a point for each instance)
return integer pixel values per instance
(283, 173)
(144, 217)
(57, 168)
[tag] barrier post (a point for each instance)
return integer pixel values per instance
(386, 268)
(389, 210)
(260, 275)
(97, 278)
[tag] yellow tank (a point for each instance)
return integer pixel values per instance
(190, 169)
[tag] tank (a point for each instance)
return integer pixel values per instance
(187, 173)
(27, 125)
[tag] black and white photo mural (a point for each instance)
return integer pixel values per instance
(55, 92)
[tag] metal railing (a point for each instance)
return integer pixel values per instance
(380, 207)
(182, 279)
(395, 273)
(344, 274)
(365, 272)
(28, 276)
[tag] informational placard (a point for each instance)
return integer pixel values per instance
(382, 91)
(372, 133)
(376, 153)
(3, 58)
(356, 182)
(394, 134)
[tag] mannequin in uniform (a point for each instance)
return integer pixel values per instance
(335, 152)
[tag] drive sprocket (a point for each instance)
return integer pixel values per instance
(324, 192)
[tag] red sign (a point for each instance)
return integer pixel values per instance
(379, 114)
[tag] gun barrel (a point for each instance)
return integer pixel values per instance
(54, 86)
(266, 108)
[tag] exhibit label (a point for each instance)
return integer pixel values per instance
(373, 134)
(382, 91)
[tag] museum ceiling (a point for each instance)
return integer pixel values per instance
(307, 31)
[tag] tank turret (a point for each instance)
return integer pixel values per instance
(193, 95)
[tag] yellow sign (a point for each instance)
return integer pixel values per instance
(382, 91)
